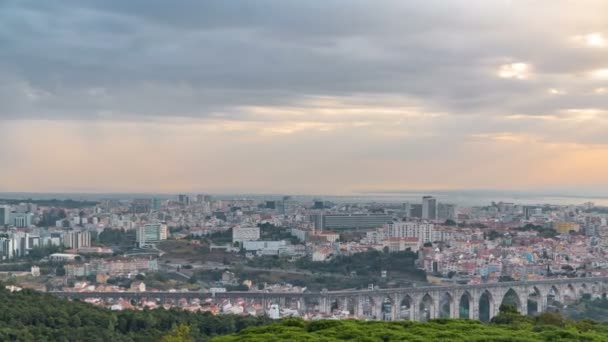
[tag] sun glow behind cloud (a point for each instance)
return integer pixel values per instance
(601, 74)
(595, 40)
(520, 71)
(554, 91)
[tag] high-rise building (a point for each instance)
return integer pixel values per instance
(429, 208)
(77, 239)
(151, 233)
(531, 211)
(407, 210)
(416, 210)
(5, 215)
(183, 199)
(271, 204)
(318, 204)
(446, 211)
(317, 221)
(7, 248)
(286, 206)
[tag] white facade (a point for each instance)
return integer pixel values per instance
(301, 234)
(7, 248)
(401, 244)
(22, 220)
(151, 233)
(75, 240)
(442, 235)
(274, 312)
(268, 247)
(240, 234)
(422, 231)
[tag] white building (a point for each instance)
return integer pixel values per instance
(375, 236)
(7, 248)
(274, 312)
(301, 234)
(151, 233)
(442, 235)
(398, 244)
(268, 247)
(63, 256)
(422, 231)
(78, 239)
(22, 220)
(240, 234)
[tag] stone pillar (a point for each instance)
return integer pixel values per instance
(542, 303)
(264, 303)
(494, 305)
(454, 307)
(559, 296)
(359, 306)
(302, 305)
(412, 316)
(435, 306)
(396, 307)
(377, 308)
(415, 308)
(324, 306)
(328, 304)
(395, 311)
(344, 306)
(474, 305)
(524, 306)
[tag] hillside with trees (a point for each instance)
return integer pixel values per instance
(507, 326)
(369, 264)
(34, 316)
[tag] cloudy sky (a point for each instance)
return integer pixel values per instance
(317, 96)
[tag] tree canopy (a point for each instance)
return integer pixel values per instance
(510, 327)
(32, 316)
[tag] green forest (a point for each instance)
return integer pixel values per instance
(508, 327)
(34, 316)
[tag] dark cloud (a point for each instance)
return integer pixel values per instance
(83, 59)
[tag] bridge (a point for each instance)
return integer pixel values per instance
(480, 301)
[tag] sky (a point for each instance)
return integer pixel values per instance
(316, 96)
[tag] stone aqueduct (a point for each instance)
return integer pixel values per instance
(413, 303)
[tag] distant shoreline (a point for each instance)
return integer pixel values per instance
(463, 198)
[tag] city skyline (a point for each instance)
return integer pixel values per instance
(331, 97)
